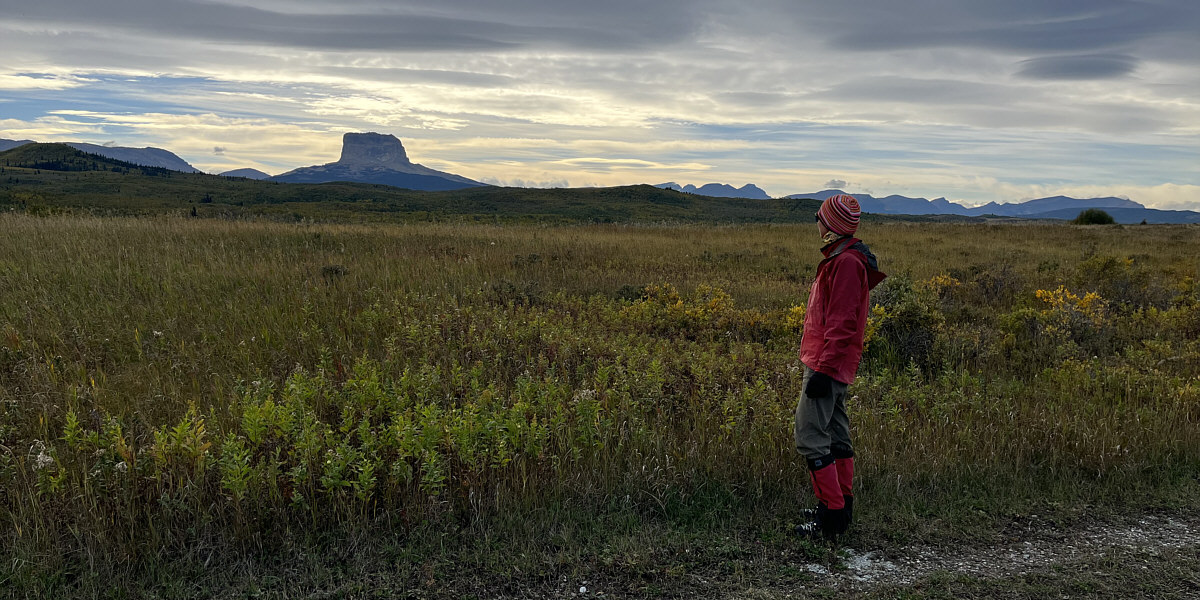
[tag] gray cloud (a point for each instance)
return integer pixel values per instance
(890, 88)
(835, 184)
(999, 105)
(1092, 66)
(756, 99)
(418, 76)
(919, 87)
(1031, 27)
(404, 27)
(554, 183)
(1014, 26)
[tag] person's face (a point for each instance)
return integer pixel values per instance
(822, 229)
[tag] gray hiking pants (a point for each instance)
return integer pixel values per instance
(822, 426)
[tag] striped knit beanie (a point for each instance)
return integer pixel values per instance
(840, 214)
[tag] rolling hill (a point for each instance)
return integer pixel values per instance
(55, 177)
(247, 173)
(149, 157)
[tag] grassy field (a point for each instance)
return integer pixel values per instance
(197, 407)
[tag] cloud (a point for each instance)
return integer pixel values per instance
(398, 27)
(218, 150)
(835, 184)
(1168, 196)
(523, 183)
(409, 76)
(38, 82)
(49, 129)
(1017, 26)
(976, 100)
(1088, 66)
(598, 164)
(921, 91)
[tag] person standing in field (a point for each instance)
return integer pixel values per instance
(830, 348)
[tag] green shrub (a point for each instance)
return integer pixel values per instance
(908, 327)
(1094, 216)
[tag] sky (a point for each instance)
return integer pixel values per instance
(971, 100)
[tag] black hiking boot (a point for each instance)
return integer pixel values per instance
(810, 530)
(824, 524)
(810, 514)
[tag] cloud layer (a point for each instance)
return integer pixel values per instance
(974, 100)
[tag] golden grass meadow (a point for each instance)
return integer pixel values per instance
(181, 394)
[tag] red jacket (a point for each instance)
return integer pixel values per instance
(837, 309)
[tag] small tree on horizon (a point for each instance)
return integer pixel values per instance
(1094, 216)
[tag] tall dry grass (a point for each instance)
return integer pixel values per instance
(168, 382)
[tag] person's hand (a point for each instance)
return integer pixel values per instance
(819, 385)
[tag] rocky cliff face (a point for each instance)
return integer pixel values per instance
(373, 150)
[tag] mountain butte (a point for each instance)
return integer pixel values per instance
(377, 158)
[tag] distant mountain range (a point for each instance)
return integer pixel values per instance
(1055, 207)
(381, 159)
(146, 157)
(10, 144)
(1122, 210)
(33, 180)
(903, 205)
(377, 158)
(366, 158)
(1131, 216)
(718, 190)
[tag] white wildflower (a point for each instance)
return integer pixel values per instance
(44, 462)
(122, 467)
(41, 460)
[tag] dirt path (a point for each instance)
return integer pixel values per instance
(1035, 559)
(1033, 552)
